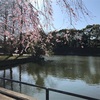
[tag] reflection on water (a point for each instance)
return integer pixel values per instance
(69, 73)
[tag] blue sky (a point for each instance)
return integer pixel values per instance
(92, 5)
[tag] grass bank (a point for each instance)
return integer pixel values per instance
(7, 61)
(13, 57)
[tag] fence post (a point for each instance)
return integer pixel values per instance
(47, 94)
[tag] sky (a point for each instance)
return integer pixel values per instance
(92, 5)
(62, 21)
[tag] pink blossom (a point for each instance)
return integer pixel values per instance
(6, 33)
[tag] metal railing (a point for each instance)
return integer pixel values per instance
(50, 89)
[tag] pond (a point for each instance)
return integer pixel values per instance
(76, 74)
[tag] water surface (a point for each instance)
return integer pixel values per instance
(74, 74)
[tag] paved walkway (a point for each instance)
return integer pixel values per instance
(6, 94)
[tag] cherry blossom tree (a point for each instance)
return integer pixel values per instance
(22, 20)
